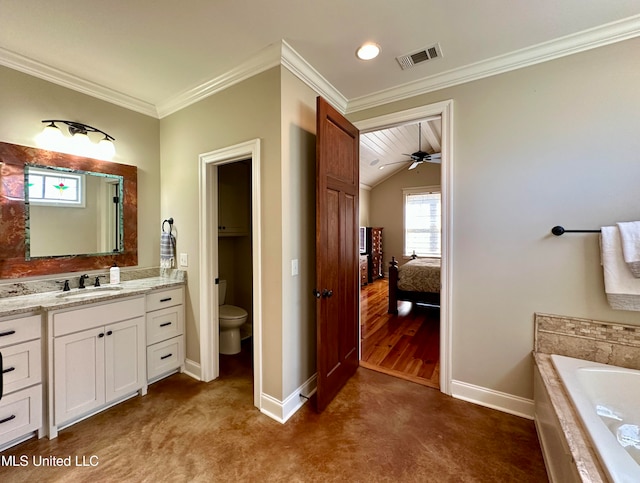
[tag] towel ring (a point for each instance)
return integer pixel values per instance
(170, 221)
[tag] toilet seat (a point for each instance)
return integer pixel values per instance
(231, 312)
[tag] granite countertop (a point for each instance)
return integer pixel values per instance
(582, 450)
(46, 301)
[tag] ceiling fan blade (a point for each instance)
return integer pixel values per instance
(397, 162)
(414, 165)
(436, 156)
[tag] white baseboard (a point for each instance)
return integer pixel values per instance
(501, 401)
(192, 369)
(281, 411)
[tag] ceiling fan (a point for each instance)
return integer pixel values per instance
(419, 156)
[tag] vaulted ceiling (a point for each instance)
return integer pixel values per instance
(383, 153)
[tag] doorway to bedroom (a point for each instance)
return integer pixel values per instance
(404, 345)
(401, 215)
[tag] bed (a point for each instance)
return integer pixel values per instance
(418, 280)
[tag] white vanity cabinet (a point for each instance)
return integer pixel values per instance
(165, 332)
(21, 402)
(97, 358)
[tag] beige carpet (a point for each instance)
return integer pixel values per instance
(379, 428)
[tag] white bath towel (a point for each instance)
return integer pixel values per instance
(167, 250)
(630, 237)
(621, 287)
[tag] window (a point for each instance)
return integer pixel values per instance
(422, 221)
(48, 187)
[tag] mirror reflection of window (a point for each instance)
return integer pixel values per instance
(47, 187)
(72, 212)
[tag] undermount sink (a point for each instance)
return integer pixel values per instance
(84, 293)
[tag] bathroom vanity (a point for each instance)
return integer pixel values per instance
(69, 355)
(165, 332)
(22, 390)
(96, 357)
(66, 354)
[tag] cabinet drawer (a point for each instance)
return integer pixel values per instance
(165, 324)
(20, 413)
(164, 356)
(97, 315)
(165, 298)
(14, 331)
(21, 365)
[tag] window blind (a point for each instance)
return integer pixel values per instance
(422, 224)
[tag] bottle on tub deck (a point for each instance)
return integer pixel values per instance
(114, 274)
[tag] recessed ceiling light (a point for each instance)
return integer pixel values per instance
(368, 51)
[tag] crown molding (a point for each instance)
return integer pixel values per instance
(265, 59)
(571, 44)
(283, 54)
(299, 67)
(274, 55)
(56, 76)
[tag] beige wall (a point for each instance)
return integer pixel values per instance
(365, 206)
(551, 144)
(298, 125)
(245, 111)
(387, 210)
(242, 112)
(26, 100)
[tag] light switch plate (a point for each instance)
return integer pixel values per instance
(294, 267)
(184, 260)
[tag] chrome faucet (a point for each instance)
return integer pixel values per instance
(82, 279)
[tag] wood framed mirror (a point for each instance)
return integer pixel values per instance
(17, 258)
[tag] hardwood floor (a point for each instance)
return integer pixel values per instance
(406, 345)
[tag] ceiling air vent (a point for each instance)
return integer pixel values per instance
(422, 55)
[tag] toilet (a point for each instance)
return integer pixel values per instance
(231, 318)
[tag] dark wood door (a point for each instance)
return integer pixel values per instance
(337, 253)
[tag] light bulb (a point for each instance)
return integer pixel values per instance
(81, 144)
(51, 138)
(106, 149)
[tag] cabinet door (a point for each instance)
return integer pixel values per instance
(79, 373)
(233, 199)
(124, 358)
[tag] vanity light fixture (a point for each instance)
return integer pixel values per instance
(79, 143)
(368, 51)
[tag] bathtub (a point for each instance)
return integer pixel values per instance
(607, 399)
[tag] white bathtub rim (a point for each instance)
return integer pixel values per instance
(617, 463)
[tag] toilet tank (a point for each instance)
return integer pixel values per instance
(222, 291)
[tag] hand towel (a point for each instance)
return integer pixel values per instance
(621, 287)
(630, 236)
(167, 250)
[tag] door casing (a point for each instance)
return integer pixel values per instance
(443, 109)
(209, 317)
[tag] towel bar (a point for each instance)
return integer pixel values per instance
(559, 230)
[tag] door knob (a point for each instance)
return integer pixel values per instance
(327, 293)
(316, 294)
